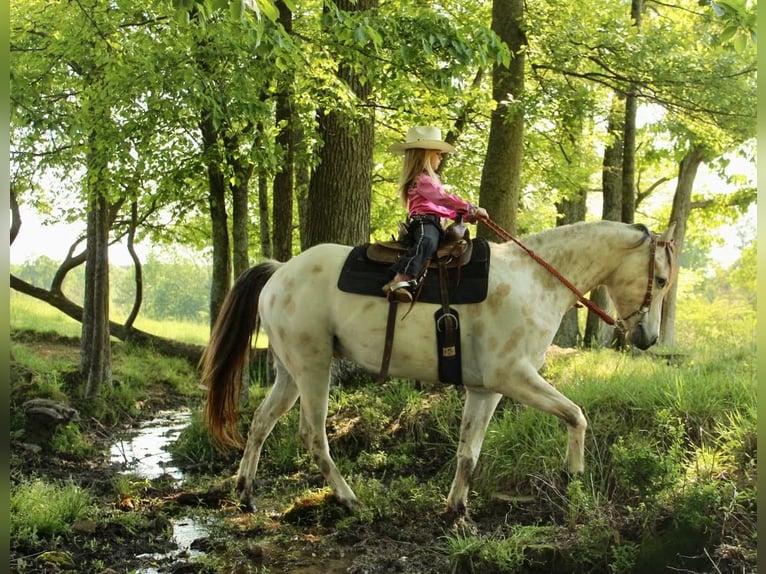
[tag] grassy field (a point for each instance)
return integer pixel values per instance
(28, 313)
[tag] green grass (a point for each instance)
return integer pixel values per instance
(28, 313)
(42, 509)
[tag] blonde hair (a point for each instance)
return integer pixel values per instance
(416, 161)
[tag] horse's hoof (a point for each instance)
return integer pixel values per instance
(246, 507)
(456, 511)
(465, 525)
(352, 505)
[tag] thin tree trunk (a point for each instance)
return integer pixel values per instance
(221, 275)
(596, 332)
(687, 172)
(240, 220)
(283, 181)
(571, 210)
(501, 175)
(264, 229)
(629, 138)
(15, 213)
(95, 354)
(138, 270)
(302, 183)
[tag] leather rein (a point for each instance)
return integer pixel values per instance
(606, 317)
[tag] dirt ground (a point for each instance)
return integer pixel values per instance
(297, 539)
(135, 534)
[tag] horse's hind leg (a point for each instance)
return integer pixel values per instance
(477, 412)
(278, 401)
(315, 392)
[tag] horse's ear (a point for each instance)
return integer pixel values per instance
(668, 235)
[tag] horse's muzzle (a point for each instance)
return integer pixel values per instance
(640, 338)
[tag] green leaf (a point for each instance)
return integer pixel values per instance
(235, 9)
(269, 9)
(377, 39)
(740, 43)
(728, 33)
(360, 35)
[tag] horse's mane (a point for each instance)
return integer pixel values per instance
(565, 232)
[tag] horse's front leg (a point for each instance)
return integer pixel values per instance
(477, 412)
(525, 385)
(280, 399)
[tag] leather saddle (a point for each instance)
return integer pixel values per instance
(455, 248)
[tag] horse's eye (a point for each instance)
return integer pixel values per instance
(661, 282)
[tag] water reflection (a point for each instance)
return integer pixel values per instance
(185, 531)
(144, 451)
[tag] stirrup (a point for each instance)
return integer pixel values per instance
(399, 291)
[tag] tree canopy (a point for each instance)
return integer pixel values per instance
(182, 116)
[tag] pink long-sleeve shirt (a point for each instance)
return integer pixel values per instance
(427, 197)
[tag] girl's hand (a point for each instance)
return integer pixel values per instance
(481, 213)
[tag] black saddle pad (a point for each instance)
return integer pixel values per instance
(364, 277)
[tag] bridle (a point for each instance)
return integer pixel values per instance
(619, 323)
(644, 308)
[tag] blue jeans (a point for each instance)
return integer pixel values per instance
(425, 232)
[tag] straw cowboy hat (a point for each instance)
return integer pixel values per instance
(422, 137)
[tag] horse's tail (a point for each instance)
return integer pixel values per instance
(223, 358)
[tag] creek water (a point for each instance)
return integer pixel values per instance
(144, 452)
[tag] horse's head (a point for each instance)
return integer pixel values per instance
(639, 285)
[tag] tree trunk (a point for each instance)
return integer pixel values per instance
(501, 176)
(629, 138)
(264, 229)
(302, 182)
(611, 167)
(240, 219)
(221, 275)
(571, 210)
(340, 191)
(283, 180)
(687, 172)
(95, 351)
(596, 332)
(15, 213)
(138, 270)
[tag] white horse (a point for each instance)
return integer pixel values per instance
(504, 338)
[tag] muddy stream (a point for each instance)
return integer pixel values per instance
(144, 453)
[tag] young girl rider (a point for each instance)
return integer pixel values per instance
(421, 192)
